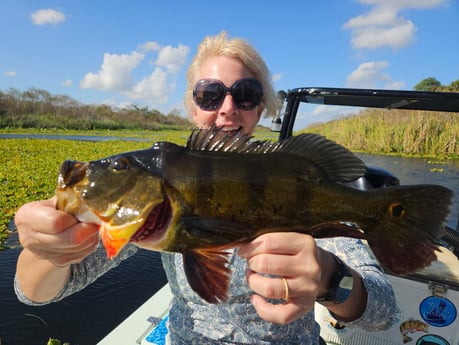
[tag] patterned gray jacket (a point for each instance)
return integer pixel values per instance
(194, 321)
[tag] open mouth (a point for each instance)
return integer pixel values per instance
(232, 130)
(156, 224)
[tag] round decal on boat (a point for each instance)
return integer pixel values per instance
(432, 339)
(438, 311)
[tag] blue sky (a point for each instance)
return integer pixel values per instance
(137, 52)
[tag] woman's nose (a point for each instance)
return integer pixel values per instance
(228, 107)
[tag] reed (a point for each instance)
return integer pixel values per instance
(401, 132)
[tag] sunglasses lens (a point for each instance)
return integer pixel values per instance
(247, 93)
(209, 94)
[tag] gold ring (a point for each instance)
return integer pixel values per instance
(286, 289)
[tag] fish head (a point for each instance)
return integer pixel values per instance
(128, 201)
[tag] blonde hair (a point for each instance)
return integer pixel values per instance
(238, 48)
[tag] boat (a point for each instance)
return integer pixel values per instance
(428, 300)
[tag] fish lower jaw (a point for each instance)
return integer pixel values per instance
(156, 224)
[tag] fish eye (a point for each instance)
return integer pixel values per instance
(120, 164)
(396, 210)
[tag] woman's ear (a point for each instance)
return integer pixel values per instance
(261, 107)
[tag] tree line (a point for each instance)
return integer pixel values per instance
(433, 84)
(37, 108)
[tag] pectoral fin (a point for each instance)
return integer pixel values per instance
(216, 232)
(322, 230)
(207, 273)
(335, 229)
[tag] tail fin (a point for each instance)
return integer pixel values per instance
(406, 238)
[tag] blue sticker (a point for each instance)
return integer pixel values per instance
(432, 339)
(438, 311)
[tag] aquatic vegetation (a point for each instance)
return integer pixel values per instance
(401, 132)
(52, 341)
(37, 317)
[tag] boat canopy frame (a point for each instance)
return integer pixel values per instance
(369, 98)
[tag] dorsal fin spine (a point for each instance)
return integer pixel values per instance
(335, 161)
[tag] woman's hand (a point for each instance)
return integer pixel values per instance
(54, 235)
(293, 261)
(52, 240)
(291, 256)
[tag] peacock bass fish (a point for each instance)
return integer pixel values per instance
(222, 190)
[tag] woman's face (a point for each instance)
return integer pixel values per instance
(228, 116)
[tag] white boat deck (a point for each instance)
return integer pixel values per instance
(446, 268)
(410, 294)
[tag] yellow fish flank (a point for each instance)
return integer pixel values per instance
(222, 190)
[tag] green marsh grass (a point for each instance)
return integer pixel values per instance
(400, 132)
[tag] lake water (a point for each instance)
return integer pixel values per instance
(84, 318)
(88, 316)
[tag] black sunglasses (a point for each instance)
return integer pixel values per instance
(209, 94)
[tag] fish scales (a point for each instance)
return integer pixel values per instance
(245, 189)
(222, 190)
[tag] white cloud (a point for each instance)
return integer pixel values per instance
(150, 46)
(309, 114)
(10, 73)
(371, 75)
(383, 26)
(405, 3)
(173, 59)
(276, 77)
(67, 83)
(397, 36)
(47, 16)
(153, 88)
(114, 74)
(394, 85)
(323, 113)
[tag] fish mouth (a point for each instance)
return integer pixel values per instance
(156, 223)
